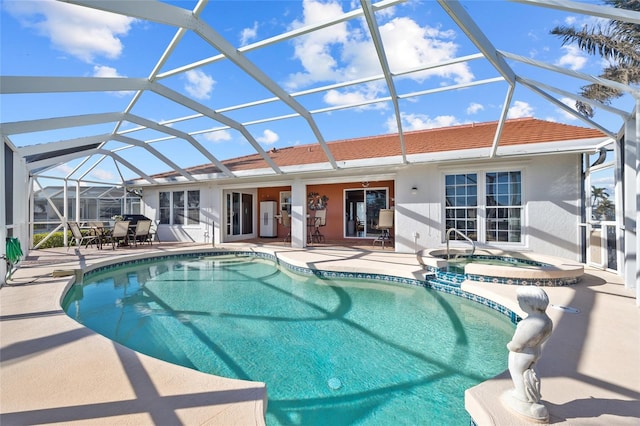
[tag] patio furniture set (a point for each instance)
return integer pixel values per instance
(123, 233)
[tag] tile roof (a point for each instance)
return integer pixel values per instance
(520, 131)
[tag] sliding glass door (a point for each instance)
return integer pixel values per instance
(238, 214)
(362, 207)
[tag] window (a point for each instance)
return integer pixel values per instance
(179, 207)
(165, 208)
(285, 201)
(461, 199)
(504, 206)
(193, 207)
(497, 212)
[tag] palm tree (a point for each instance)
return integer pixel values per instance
(602, 207)
(616, 41)
(605, 210)
(598, 195)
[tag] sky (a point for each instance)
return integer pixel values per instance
(49, 38)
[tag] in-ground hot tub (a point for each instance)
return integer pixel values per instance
(501, 267)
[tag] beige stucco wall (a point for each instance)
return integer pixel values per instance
(551, 193)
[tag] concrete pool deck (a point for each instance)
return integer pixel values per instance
(53, 370)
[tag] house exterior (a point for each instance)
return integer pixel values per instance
(524, 193)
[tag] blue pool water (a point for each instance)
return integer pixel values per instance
(457, 265)
(332, 352)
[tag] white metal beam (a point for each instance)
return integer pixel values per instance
(460, 16)
(11, 85)
(384, 63)
(154, 152)
(587, 77)
(44, 124)
(503, 116)
(208, 112)
(182, 135)
(616, 14)
(567, 108)
(28, 150)
(623, 114)
(175, 16)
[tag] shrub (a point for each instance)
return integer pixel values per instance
(56, 240)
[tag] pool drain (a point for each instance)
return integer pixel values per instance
(334, 383)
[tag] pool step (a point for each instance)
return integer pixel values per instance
(445, 278)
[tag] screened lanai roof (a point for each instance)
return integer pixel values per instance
(120, 90)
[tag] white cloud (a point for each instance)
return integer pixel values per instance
(520, 109)
(570, 20)
(574, 58)
(474, 108)
(79, 31)
(218, 136)
(314, 50)
(105, 71)
(103, 175)
(199, 85)
(408, 45)
(355, 96)
(268, 137)
(420, 122)
(248, 34)
(344, 52)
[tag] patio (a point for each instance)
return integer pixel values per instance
(55, 370)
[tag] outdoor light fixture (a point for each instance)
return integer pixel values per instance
(365, 184)
(414, 190)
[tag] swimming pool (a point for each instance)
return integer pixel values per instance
(331, 351)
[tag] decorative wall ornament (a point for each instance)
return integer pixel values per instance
(316, 201)
(525, 349)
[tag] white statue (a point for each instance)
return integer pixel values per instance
(524, 351)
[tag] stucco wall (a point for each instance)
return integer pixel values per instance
(201, 233)
(551, 193)
(551, 196)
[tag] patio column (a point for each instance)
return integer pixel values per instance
(217, 203)
(65, 211)
(298, 213)
(636, 190)
(3, 217)
(631, 203)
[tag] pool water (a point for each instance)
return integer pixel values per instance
(332, 352)
(456, 266)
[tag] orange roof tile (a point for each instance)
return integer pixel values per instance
(468, 136)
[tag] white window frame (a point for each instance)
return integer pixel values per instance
(185, 207)
(481, 206)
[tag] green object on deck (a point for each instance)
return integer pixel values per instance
(14, 252)
(13, 255)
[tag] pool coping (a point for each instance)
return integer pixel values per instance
(130, 388)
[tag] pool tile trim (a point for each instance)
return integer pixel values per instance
(436, 284)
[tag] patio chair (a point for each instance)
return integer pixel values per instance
(320, 221)
(80, 237)
(286, 222)
(141, 232)
(153, 232)
(120, 233)
(385, 224)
